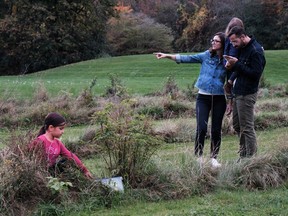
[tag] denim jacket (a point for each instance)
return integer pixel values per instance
(212, 73)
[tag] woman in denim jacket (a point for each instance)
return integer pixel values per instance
(210, 96)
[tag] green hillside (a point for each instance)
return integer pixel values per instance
(141, 74)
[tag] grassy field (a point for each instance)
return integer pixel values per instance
(145, 74)
(141, 74)
(223, 202)
(236, 202)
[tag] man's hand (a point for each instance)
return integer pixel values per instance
(230, 61)
(228, 88)
(229, 108)
(228, 66)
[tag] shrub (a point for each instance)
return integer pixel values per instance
(135, 33)
(125, 140)
(23, 177)
(116, 89)
(171, 88)
(86, 97)
(191, 92)
(41, 93)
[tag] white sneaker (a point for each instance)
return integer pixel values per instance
(215, 163)
(200, 160)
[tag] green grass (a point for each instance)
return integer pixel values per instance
(144, 74)
(141, 74)
(223, 202)
(174, 153)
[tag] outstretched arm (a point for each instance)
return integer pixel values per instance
(160, 55)
(66, 153)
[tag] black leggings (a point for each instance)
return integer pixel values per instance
(204, 104)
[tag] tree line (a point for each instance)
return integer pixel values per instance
(38, 34)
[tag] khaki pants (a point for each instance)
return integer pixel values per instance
(243, 123)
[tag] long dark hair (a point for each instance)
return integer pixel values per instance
(54, 119)
(221, 35)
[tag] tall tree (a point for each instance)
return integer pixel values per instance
(136, 33)
(263, 20)
(40, 34)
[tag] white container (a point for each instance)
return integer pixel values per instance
(115, 183)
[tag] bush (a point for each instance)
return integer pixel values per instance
(191, 92)
(86, 97)
(23, 177)
(116, 89)
(171, 88)
(125, 139)
(135, 33)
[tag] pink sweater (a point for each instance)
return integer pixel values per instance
(56, 148)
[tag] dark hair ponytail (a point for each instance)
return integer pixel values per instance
(41, 131)
(53, 119)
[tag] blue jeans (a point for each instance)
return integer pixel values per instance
(243, 123)
(216, 104)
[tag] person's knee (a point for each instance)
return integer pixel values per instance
(202, 132)
(216, 133)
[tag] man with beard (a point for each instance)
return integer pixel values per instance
(249, 67)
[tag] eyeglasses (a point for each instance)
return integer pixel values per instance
(216, 41)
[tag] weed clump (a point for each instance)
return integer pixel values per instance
(166, 182)
(257, 173)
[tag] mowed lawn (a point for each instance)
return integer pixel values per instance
(143, 74)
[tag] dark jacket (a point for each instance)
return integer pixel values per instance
(249, 68)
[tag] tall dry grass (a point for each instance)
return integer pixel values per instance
(23, 177)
